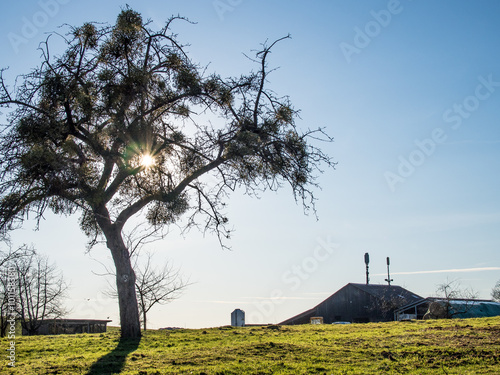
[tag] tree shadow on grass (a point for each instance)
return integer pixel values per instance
(114, 361)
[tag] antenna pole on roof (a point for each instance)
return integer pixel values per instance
(367, 261)
(388, 274)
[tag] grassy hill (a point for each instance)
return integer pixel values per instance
(470, 346)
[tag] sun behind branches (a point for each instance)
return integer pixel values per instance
(147, 161)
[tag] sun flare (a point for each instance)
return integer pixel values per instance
(147, 160)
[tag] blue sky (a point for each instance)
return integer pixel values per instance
(409, 90)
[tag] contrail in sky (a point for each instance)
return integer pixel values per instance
(455, 270)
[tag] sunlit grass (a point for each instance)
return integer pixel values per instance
(425, 347)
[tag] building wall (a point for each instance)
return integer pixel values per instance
(351, 304)
(303, 318)
(238, 318)
(58, 327)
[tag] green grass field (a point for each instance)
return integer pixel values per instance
(470, 346)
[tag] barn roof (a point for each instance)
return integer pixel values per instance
(76, 321)
(386, 291)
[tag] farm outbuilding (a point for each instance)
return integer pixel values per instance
(439, 308)
(358, 303)
(70, 326)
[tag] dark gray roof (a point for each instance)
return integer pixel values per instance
(76, 321)
(387, 291)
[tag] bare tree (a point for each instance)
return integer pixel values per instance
(11, 255)
(157, 285)
(453, 300)
(495, 292)
(123, 123)
(386, 303)
(8, 290)
(41, 290)
(154, 284)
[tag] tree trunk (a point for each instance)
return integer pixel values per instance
(144, 320)
(125, 285)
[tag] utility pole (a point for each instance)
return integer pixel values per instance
(388, 274)
(367, 261)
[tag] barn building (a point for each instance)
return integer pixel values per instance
(358, 303)
(70, 326)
